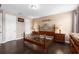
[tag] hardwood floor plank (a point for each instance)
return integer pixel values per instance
(17, 47)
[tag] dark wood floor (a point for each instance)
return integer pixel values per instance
(18, 47)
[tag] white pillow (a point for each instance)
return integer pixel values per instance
(41, 36)
(49, 37)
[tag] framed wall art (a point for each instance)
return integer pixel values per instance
(20, 20)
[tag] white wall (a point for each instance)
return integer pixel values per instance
(20, 29)
(28, 26)
(12, 30)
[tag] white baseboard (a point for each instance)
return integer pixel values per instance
(11, 40)
(6, 41)
(20, 38)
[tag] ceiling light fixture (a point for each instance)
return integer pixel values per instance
(33, 6)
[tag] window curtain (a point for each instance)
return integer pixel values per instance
(75, 22)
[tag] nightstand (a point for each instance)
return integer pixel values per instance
(59, 37)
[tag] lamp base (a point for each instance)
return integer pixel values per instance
(60, 31)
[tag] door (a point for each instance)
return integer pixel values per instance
(0, 27)
(10, 27)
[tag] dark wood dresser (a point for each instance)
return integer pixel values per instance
(59, 37)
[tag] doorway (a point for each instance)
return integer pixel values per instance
(10, 27)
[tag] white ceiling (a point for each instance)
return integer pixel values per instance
(43, 10)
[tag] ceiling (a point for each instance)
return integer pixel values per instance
(43, 10)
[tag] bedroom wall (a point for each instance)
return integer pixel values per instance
(20, 29)
(28, 25)
(63, 19)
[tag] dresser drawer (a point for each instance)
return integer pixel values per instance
(60, 37)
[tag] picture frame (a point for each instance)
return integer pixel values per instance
(20, 20)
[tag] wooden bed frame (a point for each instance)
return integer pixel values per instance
(45, 43)
(74, 43)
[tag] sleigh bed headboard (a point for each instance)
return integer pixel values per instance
(47, 28)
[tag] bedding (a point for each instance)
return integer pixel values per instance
(75, 35)
(49, 37)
